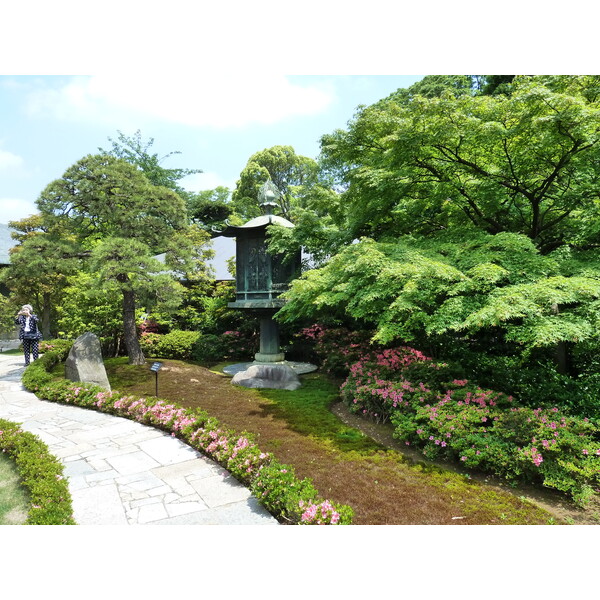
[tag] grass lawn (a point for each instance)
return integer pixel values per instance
(381, 484)
(14, 503)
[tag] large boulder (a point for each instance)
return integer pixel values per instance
(85, 363)
(277, 377)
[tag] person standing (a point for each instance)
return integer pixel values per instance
(29, 333)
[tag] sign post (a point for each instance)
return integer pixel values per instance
(156, 368)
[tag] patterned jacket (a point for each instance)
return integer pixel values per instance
(33, 324)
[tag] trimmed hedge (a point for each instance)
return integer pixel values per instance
(41, 474)
(275, 485)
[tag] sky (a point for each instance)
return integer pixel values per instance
(216, 122)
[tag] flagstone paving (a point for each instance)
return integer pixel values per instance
(124, 473)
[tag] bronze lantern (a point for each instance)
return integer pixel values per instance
(261, 276)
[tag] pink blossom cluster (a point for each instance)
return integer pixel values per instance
(534, 455)
(318, 514)
(399, 358)
(315, 332)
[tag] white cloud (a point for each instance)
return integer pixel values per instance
(8, 160)
(204, 181)
(13, 209)
(218, 101)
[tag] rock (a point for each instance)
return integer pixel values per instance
(276, 377)
(85, 363)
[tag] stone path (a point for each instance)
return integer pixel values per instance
(123, 473)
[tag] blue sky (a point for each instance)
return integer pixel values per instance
(49, 122)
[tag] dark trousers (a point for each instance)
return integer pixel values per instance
(30, 347)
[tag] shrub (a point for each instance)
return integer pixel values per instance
(230, 345)
(176, 344)
(336, 348)
(277, 487)
(535, 382)
(287, 498)
(481, 428)
(60, 348)
(37, 374)
(209, 348)
(41, 474)
(149, 343)
(185, 345)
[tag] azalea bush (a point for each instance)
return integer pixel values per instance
(535, 381)
(450, 418)
(274, 485)
(37, 373)
(335, 348)
(41, 474)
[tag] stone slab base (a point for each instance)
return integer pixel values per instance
(299, 367)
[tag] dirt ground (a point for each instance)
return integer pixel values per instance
(391, 486)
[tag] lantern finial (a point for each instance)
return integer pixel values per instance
(268, 196)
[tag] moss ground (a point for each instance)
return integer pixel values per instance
(381, 484)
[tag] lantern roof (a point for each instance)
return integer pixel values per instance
(256, 223)
(267, 195)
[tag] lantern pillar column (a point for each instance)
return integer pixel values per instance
(270, 350)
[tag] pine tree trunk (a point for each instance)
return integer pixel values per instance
(136, 356)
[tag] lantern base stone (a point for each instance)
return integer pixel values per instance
(261, 357)
(300, 367)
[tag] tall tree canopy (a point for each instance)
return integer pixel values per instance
(211, 208)
(289, 171)
(137, 152)
(524, 163)
(41, 262)
(122, 220)
(477, 215)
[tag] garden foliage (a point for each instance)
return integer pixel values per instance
(455, 419)
(194, 345)
(455, 292)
